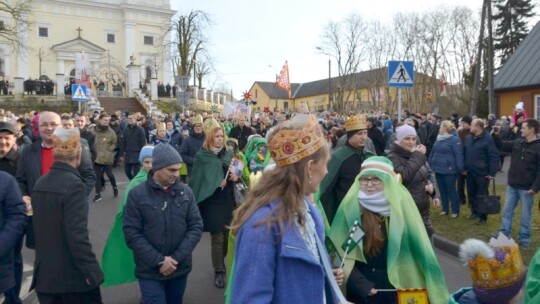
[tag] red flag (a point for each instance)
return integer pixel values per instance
(282, 81)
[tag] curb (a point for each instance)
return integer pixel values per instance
(446, 245)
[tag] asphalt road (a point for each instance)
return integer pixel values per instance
(200, 287)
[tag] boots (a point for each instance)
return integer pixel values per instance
(219, 280)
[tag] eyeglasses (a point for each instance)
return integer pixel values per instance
(48, 125)
(375, 181)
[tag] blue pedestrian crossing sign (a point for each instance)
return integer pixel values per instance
(401, 74)
(78, 93)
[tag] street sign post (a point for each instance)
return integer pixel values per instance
(78, 94)
(400, 75)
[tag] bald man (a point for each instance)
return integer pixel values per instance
(37, 159)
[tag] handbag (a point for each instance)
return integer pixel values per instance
(239, 191)
(490, 203)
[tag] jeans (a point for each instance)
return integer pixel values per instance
(477, 185)
(219, 249)
(448, 192)
(461, 179)
(11, 296)
(131, 170)
(163, 292)
(511, 200)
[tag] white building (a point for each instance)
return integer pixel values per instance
(110, 31)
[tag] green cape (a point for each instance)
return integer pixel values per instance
(532, 284)
(117, 259)
(411, 262)
(207, 173)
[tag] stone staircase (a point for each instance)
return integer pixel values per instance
(113, 104)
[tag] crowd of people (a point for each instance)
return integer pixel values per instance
(301, 208)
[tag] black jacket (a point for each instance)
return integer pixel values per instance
(524, 172)
(64, 258)
(416, 174)
(91, 140)
(481, 155)
(189, 148)
(377, 137)
(160, 223)
(176, 140)
(29, 168)
(241, 134)
(133, 140)
(12, 222)
(8, 163)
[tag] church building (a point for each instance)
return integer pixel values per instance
(112, 33)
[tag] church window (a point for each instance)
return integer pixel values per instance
(111, 38)
(148, 40)
(43, 32)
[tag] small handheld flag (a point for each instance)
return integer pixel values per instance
(355, 236)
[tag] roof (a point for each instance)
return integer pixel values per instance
(319, 87)
(522, 70)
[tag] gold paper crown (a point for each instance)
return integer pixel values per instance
(209, 124)
(504, 269)
(357, 122)
(197, 120)
(66, 142)
(290, 146)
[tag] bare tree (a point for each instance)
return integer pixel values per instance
(202, 68)
(346, 43)
(190, 40)
(17, 12)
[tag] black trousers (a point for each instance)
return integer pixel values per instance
(90, 297)
(477, 185)
(99, 169)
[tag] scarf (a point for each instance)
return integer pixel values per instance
(215, 150)
(101, 128)
(443, 136)
(375, 203)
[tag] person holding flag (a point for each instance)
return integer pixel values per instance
(212, 185)
(395, 252)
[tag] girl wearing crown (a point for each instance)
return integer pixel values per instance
(279, 255)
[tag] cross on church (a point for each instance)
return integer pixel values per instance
(79, 30)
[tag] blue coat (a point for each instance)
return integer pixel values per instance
(273, 269)
(446, 156)
(12, 222)
(481, 155)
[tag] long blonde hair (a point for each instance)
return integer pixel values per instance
(287, 184)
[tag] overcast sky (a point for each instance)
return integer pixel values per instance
(249, 35)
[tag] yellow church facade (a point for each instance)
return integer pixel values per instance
(113, 33)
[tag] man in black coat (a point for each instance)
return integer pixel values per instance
(9, 157)
(376, 135)
(12, 222)
(37, 159)
(66, 270)
(82, 124)
(133, 140)
(241, 132)
(162, 225)
(191, 145)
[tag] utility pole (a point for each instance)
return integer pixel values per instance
(329, 84)
(491, 89)
(474, 103)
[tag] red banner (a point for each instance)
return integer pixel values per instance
(282, 80)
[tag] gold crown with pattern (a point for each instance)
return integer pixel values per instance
(197, 120)
(209, 124)
(66, 142)
(290, 146)
(503, 269)
(356, 122)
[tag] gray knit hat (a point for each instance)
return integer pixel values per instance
(163, 156)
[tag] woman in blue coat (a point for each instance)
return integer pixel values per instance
(446, 160)
(279, 231)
